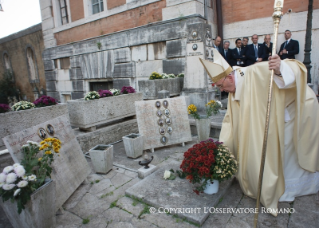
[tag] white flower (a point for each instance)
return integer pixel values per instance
(25, 177)
(22, 184)
(12, 177)
(8, 186)
(32, 177)
(16, 192)
(20, 171)
(220, 103)
(1, 184)
(8, 169)
(3, 177)
(167, 174)
(16, 165)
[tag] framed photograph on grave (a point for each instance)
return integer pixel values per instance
(157, 104)
(168, 121)
(163, 140)
(169, 130)
(160, 122)
(50, 129)
(165, 103)
(167, 112)
(42, 133)
(159, 113)
(162, 131)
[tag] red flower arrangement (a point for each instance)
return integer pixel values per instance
(206, 161)
(45, 101)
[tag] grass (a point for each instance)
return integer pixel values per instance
(135, 202)
(85, 221)
(113, 204)
(146, 210)
(107, 194)
(97, 181)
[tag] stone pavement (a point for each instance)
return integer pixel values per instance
(101, 202)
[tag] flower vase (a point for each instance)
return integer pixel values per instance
(212, 187)
(134, 145)
(39, 212)
(102, 158)
(203, 128)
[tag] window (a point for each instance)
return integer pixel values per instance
(97, 6)
(31, 64)
(96, 86)
(6, 62)
(64, 12)
(65, 63)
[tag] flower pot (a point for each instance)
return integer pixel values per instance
(102, 158)
(203, 128)
(212, 188)
(39, 212)
(134, 145)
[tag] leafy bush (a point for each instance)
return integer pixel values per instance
(8, 90)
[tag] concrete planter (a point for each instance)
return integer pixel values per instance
(203, 128)
(87, 114)
(39, 212)
(134, 145)
(102, 158)
(150, 88)
(15, 121)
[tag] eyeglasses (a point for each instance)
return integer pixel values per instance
(221, 85)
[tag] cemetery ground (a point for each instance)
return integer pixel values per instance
(107, 200)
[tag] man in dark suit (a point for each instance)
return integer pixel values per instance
(255, 52)
(226, 53)
(239, 54)
(268, 47)
(289, 48)
(217, 43)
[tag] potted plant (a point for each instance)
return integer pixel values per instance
(203, 122)
(28, 185)
(102, 158)
(208, 163)
(134, 145)
(92, 95)
(45, 101)
(22, 105)
(4, 108)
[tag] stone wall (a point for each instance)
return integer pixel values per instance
(15, 46)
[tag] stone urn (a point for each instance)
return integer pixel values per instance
(203, 128)
(102, 158)
(134, 145)
(39, 212)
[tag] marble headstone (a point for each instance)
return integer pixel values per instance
(69, 169)
(148, 117)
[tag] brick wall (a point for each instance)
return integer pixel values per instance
(77, 10)
(114, 3)
(16, 49)
(125, 20)
(234, 10)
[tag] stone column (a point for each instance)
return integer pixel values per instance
(197, 84)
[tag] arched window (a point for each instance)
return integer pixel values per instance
(7, 62)
(31, 64)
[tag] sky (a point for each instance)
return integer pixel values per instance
(18, 15)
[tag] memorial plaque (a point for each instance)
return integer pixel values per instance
(69, 169)
(149, 123)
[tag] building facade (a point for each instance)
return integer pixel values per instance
(21, 54)
(100, 44)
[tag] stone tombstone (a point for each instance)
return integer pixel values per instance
(69, 169)
(170, 126)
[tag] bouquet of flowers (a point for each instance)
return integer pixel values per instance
(45, 101)
(22, 105)
(208, 161)
(155, 75)
(19, 181)
(181, 75)
(91, 95)
(4, 108)
(165, 76)
(211, 107)
(115, 92)
(127, 89)
(105, 93)
(171, 75)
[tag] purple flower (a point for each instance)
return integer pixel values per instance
(44, 101)
(4, 108)
(105, 93)
(127, 89)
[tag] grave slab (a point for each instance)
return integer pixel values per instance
(69, 169)
(178, 193)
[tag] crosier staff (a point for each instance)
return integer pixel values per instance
(276, 18)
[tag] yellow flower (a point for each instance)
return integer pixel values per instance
(39, 159)
(44, 146)
(41, 143)
(192, 109)
(48, 152)
(211, 103)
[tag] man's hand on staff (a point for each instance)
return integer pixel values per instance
(274, 63)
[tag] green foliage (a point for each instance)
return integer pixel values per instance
(135, 202)
(85, 221)
(181, 75)
(155, 75)
(107, 194)
(113, 204)
(146, 210)
(8, 90)
(99, 45)
(97, 181)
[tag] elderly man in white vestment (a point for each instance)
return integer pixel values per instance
(292, 156)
